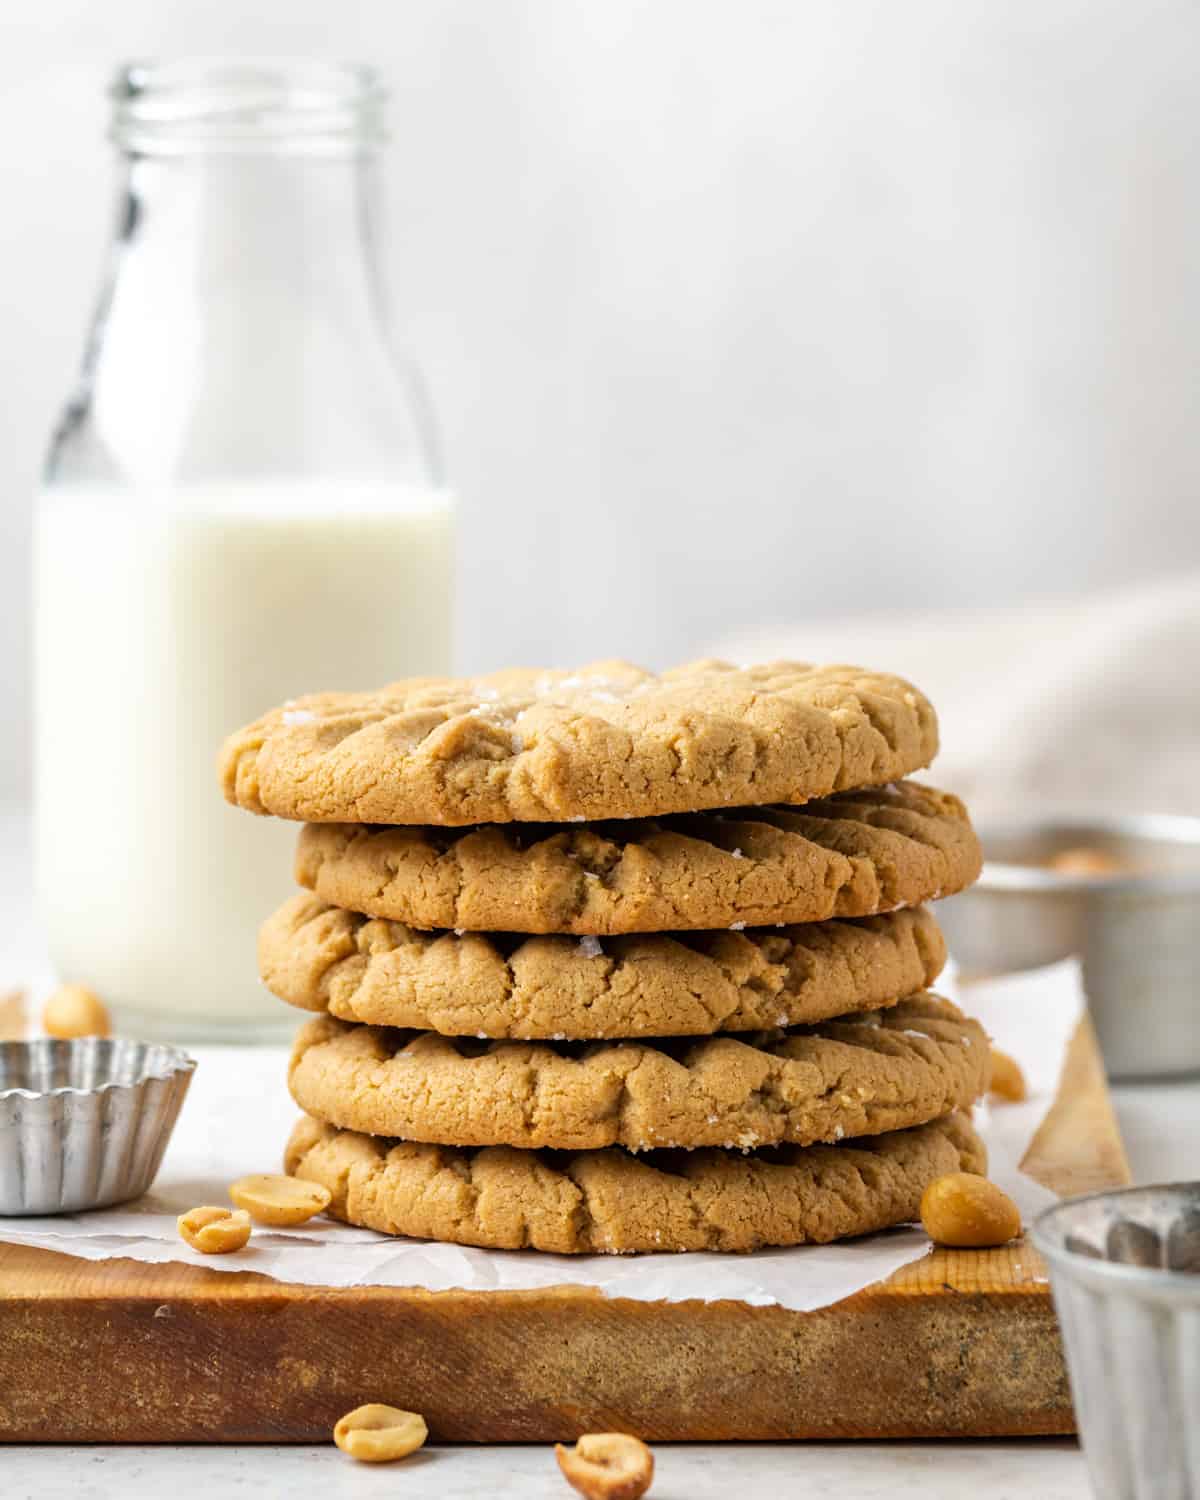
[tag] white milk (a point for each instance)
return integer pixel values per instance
(162, 623)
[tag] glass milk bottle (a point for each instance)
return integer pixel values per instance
(241, 505)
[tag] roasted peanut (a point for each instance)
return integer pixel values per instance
(272, 1198)
(1092, 864)
(1008, 1082)
(607, 1466)
(964, 1211)
(73, 1011)
(376, 1434)
(214, 1231)
(12, 1015)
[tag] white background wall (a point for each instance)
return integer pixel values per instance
(733, 310)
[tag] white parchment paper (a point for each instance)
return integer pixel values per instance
(238, 1115)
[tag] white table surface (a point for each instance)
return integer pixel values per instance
(1160, 1122)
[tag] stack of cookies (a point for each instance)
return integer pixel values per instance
(619, 962)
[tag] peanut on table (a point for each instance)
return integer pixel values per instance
(377, 1434)
(75, 1011)
(607, 1466)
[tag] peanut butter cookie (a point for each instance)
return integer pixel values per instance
(357, 968)
(613, 1203)
(906, 1065)
(608, 741)
(853, 855)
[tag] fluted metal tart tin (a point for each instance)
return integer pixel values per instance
(1125, 1274)
(84, 1124)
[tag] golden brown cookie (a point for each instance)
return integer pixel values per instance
(913, 1062)
(366, 969)
(608, 741)
(614, 1203)
(853, 855)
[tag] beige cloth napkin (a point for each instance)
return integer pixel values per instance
(1088, 704)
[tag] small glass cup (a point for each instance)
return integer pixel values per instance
(1125, 1274)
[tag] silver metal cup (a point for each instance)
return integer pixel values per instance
(1137, 930)
(85, 1123)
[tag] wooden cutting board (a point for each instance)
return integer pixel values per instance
(956, 1344)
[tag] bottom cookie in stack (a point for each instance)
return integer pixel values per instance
(612, 1201)
(726, 1142)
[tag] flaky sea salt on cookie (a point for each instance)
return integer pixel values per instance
(610, 1202)
(608, 741)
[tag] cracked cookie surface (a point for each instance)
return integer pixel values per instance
(611, 1202)
(903, 1066)
(367, 969)
(853, 855)
(608, 741)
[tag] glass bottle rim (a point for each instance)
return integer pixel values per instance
(226, 105)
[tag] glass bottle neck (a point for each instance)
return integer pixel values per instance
(243, 332)
(267, 237)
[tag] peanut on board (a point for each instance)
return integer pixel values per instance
(607, 1466)
(1007, 1082)
(74, 1011)
(213, 1230)
(377, 1434)
(272, 1198)
(964, 1211)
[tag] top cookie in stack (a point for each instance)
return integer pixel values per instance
(608, 741)
(528, 891)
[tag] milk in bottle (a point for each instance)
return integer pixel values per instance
(241, 506)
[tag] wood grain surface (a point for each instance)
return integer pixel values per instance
(958, 1343)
